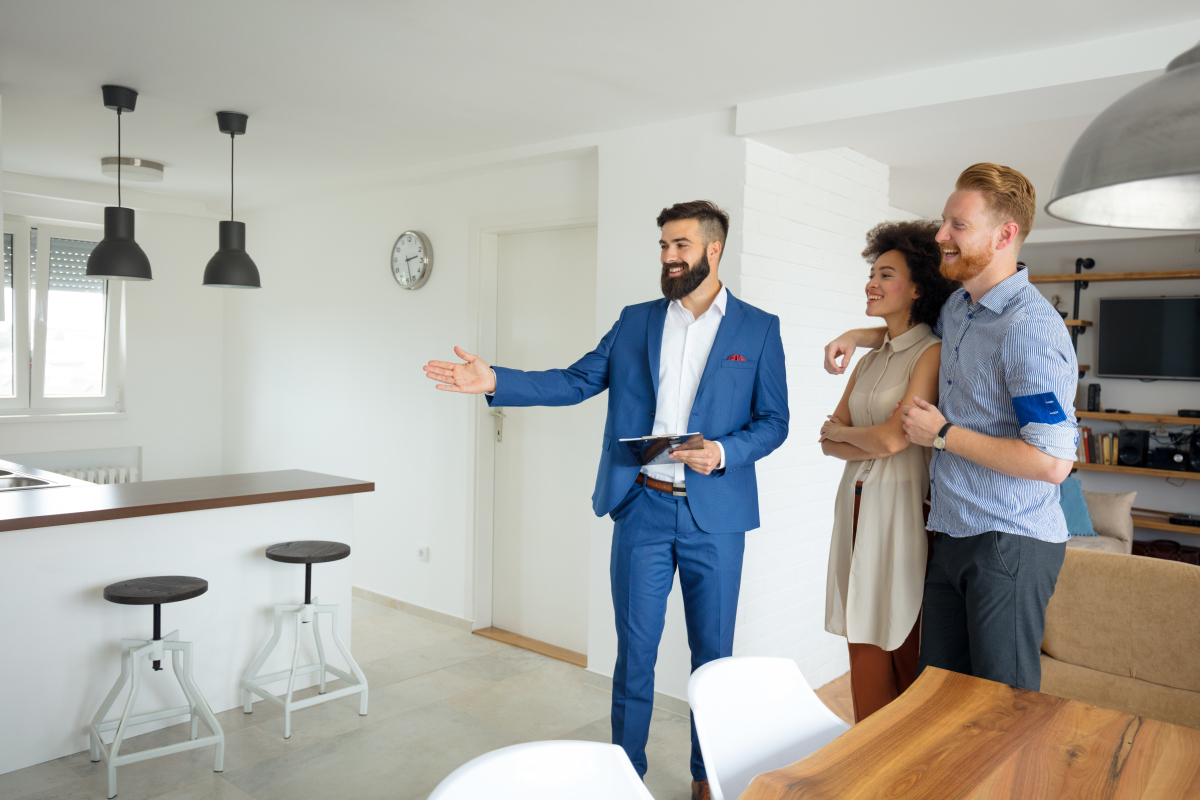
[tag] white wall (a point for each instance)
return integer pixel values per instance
(1159, 397)
(173, 341)
(322, 368)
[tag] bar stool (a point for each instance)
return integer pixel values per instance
(156, 591)
(306, 553)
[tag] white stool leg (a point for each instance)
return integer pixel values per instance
(193, 691)
(287, 703)
(252, 673)
(316, 623)
(177, 667)
(112, 698)
(136, 684)
(358, 673)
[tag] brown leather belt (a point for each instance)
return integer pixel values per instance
(674, 489)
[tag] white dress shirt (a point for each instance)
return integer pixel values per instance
(686, 343)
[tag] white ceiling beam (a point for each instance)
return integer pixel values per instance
(1099, 61)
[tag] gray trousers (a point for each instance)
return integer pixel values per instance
(985, 606)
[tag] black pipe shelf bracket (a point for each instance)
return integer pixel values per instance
(1080, 284)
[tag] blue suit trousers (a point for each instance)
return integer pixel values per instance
(654, 534)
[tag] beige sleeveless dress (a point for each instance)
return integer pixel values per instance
(874, 588)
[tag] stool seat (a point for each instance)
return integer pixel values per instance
(308, 552)
(153, 591)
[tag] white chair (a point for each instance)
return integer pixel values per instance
(546, 771)
(754, 715)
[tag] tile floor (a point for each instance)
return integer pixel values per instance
(439, 697)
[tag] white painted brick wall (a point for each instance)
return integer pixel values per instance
(804, 225)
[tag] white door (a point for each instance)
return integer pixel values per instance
(546, 458)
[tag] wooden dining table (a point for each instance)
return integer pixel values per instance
(952, 737)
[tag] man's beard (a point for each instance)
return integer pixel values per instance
(687, 282)
(968, 265)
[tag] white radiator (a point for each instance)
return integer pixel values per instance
(103, 474)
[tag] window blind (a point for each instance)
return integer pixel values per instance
(68, 267)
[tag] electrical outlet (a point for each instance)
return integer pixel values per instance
(423, 553)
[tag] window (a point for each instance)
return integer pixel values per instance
(60, 344)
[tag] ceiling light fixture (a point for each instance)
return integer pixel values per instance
(1138, 164)
(232, 267)
(133, 169)
(118, 256)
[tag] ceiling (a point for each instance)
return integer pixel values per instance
(340, 93)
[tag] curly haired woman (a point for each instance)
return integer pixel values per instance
(879, 550)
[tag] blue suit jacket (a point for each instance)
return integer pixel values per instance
(741, 404)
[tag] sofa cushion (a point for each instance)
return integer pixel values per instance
(1089, 619)
(1074, 507)
(1165, 634)
(1112, 514)
(1106, 544)
(1177, 706)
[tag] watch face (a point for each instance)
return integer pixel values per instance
(410, 260)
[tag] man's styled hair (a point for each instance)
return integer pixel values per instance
(1009, 195)
(714, 223)
(915, 240)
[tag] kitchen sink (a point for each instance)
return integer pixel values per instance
(14, 481)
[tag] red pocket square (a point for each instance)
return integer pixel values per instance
(735, 358)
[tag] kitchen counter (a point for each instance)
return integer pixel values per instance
(60, 546)
(80, 502)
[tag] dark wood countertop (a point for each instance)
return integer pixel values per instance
(80, 501)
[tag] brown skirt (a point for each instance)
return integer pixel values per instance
(878, 676)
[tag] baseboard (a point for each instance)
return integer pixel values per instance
(412, 608)
(533, 645)
(663, 701)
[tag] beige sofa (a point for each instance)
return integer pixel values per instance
(1122, 633)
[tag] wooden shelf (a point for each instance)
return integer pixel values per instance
(1084, 368)
(1078, 323)
(1154, 473)
(1167, 419)
(1101, 277)
(1160, 523)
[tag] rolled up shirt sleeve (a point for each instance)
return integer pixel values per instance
(1042, 373)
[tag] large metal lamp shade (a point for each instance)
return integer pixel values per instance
(231, 267)
(1138, 164)
(118, 256)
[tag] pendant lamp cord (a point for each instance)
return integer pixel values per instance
(118, 158)
(231, 177)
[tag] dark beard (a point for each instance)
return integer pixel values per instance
(688, 282)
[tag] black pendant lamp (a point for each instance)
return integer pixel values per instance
(118, 256)
(232, 267)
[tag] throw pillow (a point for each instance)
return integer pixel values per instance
(1075, 508)
(1112, 514)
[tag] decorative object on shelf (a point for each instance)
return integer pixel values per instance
(1054, 301)
(1093, 397)
(1137, 164)
(1191, 520)
(412, 260)
(1189, 412)
(133, 169)
(1168, 458)
(118, 255)
(231, 267)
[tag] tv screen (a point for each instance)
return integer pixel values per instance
(1149, 338)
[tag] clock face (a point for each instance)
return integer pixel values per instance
(412, 260)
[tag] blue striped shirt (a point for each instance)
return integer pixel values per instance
(1008, 370)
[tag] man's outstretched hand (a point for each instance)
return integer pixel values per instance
(473, 377)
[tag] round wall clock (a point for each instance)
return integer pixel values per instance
(412, 260)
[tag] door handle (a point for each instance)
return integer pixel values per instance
(498, 416)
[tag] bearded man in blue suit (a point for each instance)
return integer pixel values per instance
(699, 360)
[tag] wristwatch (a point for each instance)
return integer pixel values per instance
(939, 441)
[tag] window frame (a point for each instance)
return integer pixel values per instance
(30, 350)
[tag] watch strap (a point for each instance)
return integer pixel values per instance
(944, 430)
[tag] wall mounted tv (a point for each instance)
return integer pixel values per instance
(1151, 338)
